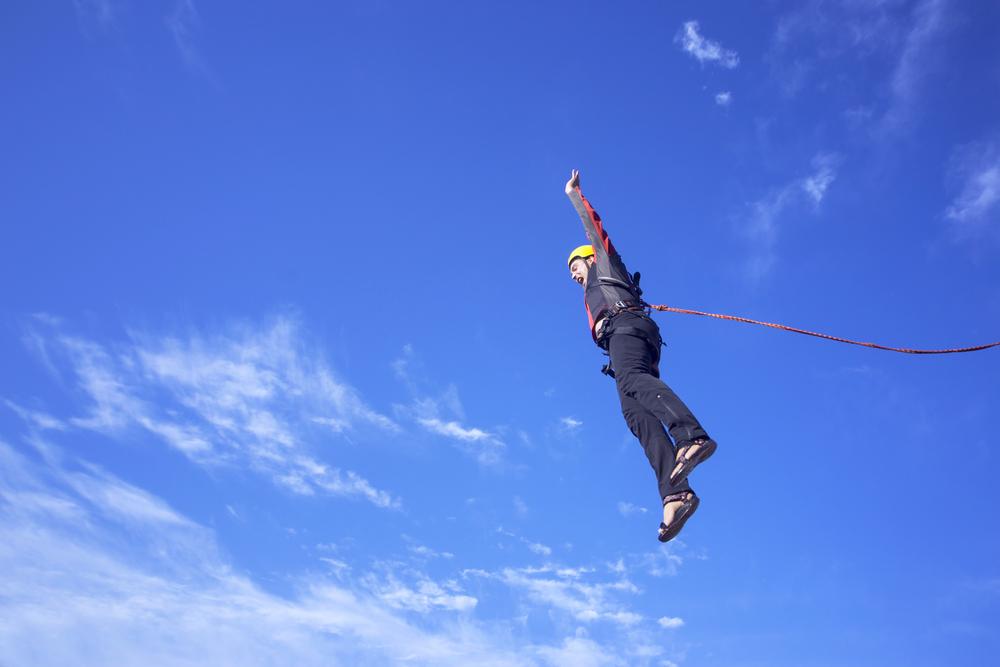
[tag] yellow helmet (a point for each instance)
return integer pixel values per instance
(583, 252)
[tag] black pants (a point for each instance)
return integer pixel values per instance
(633, 342)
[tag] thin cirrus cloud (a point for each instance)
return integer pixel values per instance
(705, 50)
(184, 23)
(534, 547)
(765, 220)
(254, 398)
(98, 13)
(423, 596)
(441, 413)
(123, 578)
(976, 168)
(628, 509)
(928, 21)
(570, 424)
(452, 429)
(565, 591)
(898, 41)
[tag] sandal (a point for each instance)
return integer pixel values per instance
(707, 447)
(681, 515)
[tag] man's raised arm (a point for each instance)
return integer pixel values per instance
(591, 221)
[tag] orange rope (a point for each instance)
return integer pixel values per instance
(670, 309)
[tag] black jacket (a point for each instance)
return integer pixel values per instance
(609, 284)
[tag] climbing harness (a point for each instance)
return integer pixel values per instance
(734, 318)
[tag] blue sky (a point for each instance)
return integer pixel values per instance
(294, 373)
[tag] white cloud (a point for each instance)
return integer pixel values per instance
(976, 167)
(424, 597)
(123, 501)
(248, 398)
(454, 430)
(898, 40)
(122, 578)
(487, 448)
(835, 28)
(37, 419)
(425, 552)
(534, 547)
(724, 98)
(183, 23)
(705, 50)
(764, 223)
(816, 185)
(664, 562)
(573, 572)
(570, 423)
(564, 590)
(912, 67)
(628, 509)
(148, 586)
(540, 549)
(579, 651)
(670, 622)
(97, 13)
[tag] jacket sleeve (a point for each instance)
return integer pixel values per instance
(592, 224)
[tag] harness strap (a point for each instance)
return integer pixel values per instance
(624, 330)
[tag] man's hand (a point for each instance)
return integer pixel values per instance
(573, 182)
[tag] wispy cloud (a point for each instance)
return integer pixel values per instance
(896, 40)
(670, 622)
(36, 419)
(454, 430)
(425, 552)
(423, 596)
(124, 578)
(579, 651)
(570, 424)
(833, 29)
(250, 398)
(663, 562)
(486, 447)
(539, 548)
(724, 98)
(976, 168)
(763, 225)
(426, 409)
(534, 547)
(816, 184)
(628, 509)
(566, 591)
(184, 23)
(94, 13)
(912, 67)
(705, 50)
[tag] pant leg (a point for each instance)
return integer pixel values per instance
(647, 428)
(635, 361)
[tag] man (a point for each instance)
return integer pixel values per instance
(620, 325)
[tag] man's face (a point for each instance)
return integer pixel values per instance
(578, 270)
